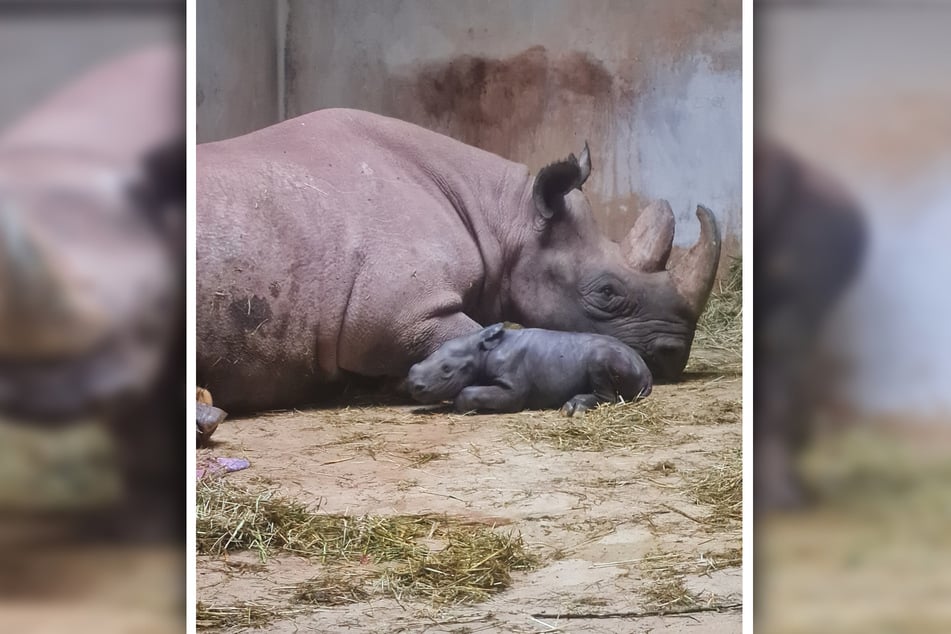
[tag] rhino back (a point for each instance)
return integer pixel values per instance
(551, 365)
(324, 239)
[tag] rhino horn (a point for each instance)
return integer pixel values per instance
(693, 275)
(39, 317)
(647, 245)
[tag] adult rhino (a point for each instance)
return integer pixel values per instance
(347, 242)
(90, 255)
(92, 300)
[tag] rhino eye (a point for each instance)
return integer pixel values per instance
(607, 290)
(446, 368)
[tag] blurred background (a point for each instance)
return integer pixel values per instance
(92, 219)
(852, 214)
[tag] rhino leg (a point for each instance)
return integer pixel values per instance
(208, 417)
(489, 398)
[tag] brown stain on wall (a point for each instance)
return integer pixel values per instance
(498, 104)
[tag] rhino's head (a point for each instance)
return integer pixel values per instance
(568, 276)
(88, 283)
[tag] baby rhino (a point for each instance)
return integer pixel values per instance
(508, 370)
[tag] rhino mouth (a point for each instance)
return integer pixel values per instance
(426, 395)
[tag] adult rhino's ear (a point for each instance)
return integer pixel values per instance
(160, 190)
(491, 336)
(556, 180)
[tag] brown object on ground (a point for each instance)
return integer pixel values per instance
(204, 396)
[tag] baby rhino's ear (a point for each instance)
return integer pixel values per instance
(491, 336)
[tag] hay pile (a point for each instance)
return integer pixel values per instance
(719, 334)
(441, 559)
(473, 565)
(608, 426)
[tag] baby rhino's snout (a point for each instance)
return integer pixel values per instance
(415, 380)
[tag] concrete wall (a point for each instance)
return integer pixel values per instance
(237, 61)
(863, 92)
(654, 85)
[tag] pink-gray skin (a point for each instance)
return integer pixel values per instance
(809, 240)
(500, 370)
(346, 242)
(92, 239)
(92, 299)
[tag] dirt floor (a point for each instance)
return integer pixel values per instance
(618, 531)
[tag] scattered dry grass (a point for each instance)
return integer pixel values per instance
(471, 567)
(666, 574)
(608, 426)
(406, 485)
(664, 467)
(718, 412)
(334, 588)
(666, 584)
(245, 614)
(721, 488)
(729, 558)
(441, 559)
(370, 444)
(418, 459)
(667, 593)
(720, 328)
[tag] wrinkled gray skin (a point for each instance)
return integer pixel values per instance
(92, 211)
(342, 242)
(501, 370)
(809, 240)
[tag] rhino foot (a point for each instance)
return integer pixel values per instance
(207, 418)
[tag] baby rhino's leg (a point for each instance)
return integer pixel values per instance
(602, 386)
(610, 375)
(488, 398)
(580, 403)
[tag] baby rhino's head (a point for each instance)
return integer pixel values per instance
(454, 366)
